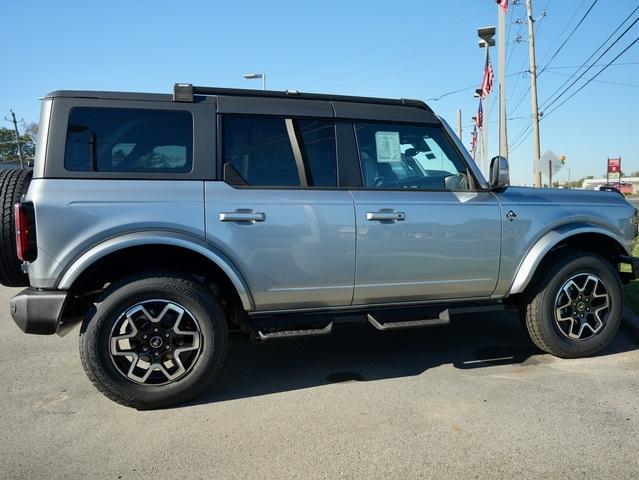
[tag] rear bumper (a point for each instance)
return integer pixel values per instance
(38, 311)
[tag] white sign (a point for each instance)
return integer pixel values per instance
(388, 148)
(554, 161)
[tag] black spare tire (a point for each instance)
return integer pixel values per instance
(13, 184)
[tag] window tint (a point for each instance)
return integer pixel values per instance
(129, 140)
(269, 151)
(409, 157)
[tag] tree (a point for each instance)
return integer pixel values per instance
(9, 148)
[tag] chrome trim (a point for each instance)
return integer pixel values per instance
(383, 215)
(242, 216)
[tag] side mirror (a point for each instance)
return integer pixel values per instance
(499, 173)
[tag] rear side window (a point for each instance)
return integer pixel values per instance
(129, 140)
(285, 152)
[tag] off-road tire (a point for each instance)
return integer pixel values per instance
(13, 184)
(97, 326)
(538, 314)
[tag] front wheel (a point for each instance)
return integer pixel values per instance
(575, 309)
(155, 340)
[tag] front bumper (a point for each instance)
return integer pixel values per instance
(38, 311)
(634, 266)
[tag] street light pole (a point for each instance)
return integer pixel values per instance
(533, 93)
(254, 76)
(501, 53)
(487, 40)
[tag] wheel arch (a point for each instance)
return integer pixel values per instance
(138, 247)
(590, 238)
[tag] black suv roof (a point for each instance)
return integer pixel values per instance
(185, 92)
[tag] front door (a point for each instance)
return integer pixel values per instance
(423, 231)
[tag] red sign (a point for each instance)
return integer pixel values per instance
(614, 165)
(614, 169)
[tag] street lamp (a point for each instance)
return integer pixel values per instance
(254, 76)
(486, 40)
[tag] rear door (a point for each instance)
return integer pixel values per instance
(278, 213)
(423, 231)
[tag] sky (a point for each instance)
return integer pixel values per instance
(411, 49)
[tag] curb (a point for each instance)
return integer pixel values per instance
(630, 323)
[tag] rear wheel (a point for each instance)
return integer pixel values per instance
(576, 307)
(13, 184)
(157, 339)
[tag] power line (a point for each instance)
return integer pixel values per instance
(366, 50)
(523, 134)
(594, 77)
(552, 45)
(619, 64)
(610, 82)
(564, 91)
(576, 27)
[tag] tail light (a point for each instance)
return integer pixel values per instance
(25, 231)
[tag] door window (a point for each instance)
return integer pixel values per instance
(285, 152)
(408, 157)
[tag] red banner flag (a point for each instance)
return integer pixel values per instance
(503, 4)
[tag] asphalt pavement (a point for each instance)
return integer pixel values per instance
(471, 400)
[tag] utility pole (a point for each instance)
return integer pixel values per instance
(15, 129)
(533, 93)
(501, 53)
(459, 123)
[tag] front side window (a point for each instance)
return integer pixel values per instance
(129, 140)
(284, 152)
(408, 157)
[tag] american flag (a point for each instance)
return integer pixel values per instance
(480, 116)
(503, 4)
(487, 81)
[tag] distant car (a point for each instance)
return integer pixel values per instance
(161, 222)
(607, 188)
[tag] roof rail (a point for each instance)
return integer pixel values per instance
(185, 92)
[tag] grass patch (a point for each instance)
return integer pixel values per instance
(631, 291)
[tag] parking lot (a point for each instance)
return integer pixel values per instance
(473, 400)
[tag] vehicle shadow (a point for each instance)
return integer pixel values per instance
(361, 353)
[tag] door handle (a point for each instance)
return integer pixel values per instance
(242, 216)
(385, 216)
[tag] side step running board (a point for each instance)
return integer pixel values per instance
(443, 319)
(296, 333)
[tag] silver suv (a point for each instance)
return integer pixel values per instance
(161, 223)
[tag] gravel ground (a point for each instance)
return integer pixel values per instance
(472, 400)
